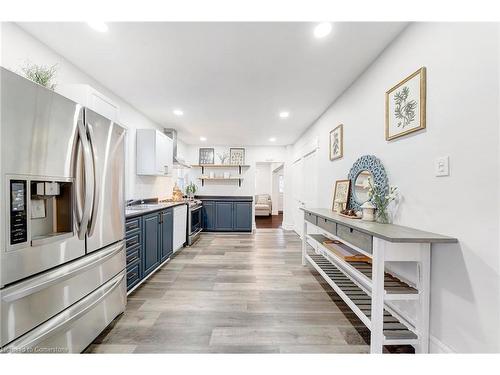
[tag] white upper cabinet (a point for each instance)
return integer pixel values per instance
(91, 98)
(154, 152)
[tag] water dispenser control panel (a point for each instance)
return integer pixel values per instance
(18, 212)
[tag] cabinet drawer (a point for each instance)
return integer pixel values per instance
(328, 225)
(310, 218)
(133, 255)
(133, 240)
(132, 225)
(133, 274)
(362, 240)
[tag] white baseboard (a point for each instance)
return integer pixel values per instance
(287, 226)
(438, 347)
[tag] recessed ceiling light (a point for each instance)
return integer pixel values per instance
(272, 139)
(323, 29)
(98, 26)
(178, 112)
(284, 114)
(203, 139)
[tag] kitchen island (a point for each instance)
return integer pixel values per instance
(226, 213)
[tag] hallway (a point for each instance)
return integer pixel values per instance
(271, 221)
(236, 294)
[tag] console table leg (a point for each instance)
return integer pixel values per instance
(304, 242)
(423, 286)
(377, 317)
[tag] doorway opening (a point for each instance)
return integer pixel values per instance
(269, 191)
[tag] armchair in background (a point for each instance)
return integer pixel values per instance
(263, 205)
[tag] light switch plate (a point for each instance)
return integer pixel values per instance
(442, 166)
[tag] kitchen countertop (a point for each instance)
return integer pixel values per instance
(151, 207)
(232, 198)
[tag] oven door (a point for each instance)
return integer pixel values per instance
(195, 220)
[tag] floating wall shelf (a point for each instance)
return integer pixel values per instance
(221, 166)
(233, 178)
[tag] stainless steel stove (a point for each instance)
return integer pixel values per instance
(194, 221)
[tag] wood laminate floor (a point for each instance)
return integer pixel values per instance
(271, 221)
(241, 293)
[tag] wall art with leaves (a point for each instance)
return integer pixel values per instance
(405, 106)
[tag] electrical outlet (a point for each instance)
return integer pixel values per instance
(442, 166)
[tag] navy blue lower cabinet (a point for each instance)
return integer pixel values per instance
(152, 238)
(224, 216)
(227, 216)
(208, 215)
(167, 238)
(242, 216)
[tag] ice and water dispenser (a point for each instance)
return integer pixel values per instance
(40, 211)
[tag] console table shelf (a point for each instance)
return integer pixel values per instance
(361, 273)
(366, 287)
(395, 333)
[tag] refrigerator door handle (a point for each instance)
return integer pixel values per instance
(89, 180)
(97, 185)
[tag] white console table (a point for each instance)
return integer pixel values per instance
(369, 290)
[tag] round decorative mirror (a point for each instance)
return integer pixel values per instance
(361, 186)
(366, 167)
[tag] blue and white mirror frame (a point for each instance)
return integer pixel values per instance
(372, 164)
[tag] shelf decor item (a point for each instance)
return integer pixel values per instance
(337, 142)
(206, 156)
(368, 211)
(223, 157)
(341, 195)
(237, 156)
(41, 74)
(405, 106)
(381, 200)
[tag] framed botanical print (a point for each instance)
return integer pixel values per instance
(237, 156)
(337, 142)
(341, 195)
(206, 156)
(405, 106)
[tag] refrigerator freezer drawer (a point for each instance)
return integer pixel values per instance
(29, 303)
(76, 327)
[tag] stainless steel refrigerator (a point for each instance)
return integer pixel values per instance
(62, 271)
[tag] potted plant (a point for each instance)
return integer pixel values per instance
(41, 74)
(191, 190)
(381, 199)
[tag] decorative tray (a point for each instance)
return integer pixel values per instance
(350, 217)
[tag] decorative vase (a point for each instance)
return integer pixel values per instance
(382, 216)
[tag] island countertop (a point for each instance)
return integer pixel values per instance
(387, 232)
(225, 198)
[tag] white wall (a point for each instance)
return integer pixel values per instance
(17, 46)
(263, 178)
(462, 63)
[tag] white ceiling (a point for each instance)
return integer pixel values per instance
(230, 79)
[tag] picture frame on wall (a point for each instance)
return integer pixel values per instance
(337, 142)
(405, 106)
(206, 156)
(237, 155)
(341, 195)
